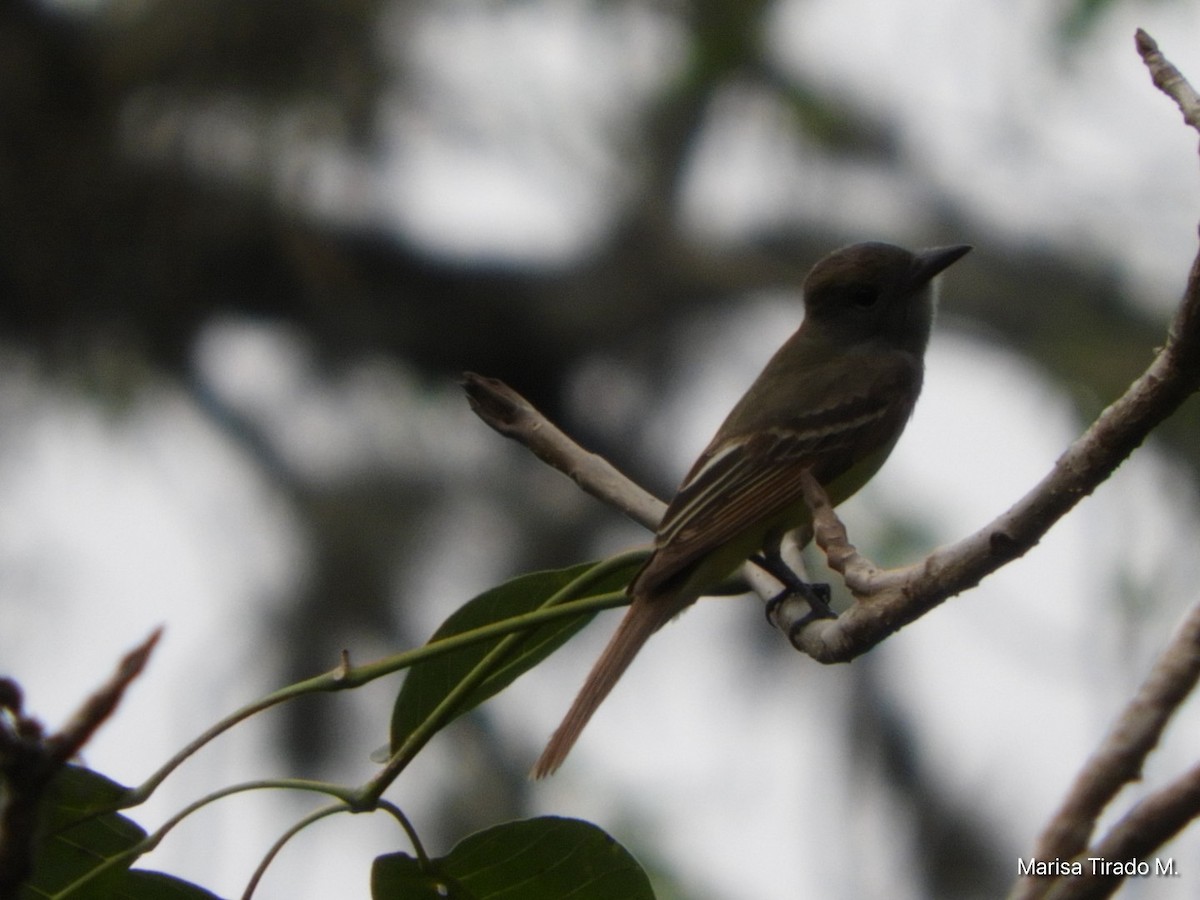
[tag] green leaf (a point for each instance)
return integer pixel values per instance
(398, 876)
(429, 682)
(537, 859)
(138, 884)
(74, 841)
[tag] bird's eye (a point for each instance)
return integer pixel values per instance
(863, 296)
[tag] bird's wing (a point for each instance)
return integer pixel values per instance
(747, 478)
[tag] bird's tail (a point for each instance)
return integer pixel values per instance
(644, 617)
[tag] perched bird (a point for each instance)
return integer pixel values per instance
(833, 399)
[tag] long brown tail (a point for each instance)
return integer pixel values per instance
(645, 616)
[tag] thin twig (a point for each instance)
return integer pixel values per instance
(513, 416)
(1169, 79)
(98, 707)
(1150, 824)
(1119, 761)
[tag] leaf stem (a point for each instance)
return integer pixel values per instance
(559, 602)
(347, 676)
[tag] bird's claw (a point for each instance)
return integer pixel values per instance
(817, 597)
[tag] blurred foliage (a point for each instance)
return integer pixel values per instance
(1079, 16)
(121, 238)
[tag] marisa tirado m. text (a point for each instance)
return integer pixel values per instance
(1098, 865)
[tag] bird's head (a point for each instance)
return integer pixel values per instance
(875, 291)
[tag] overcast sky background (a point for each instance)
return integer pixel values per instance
(124, 523)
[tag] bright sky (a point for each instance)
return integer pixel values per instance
(125, 521)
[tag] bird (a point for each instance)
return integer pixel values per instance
(832, 400)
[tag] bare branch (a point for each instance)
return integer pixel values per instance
(1152, 821)
(860, 574)
(1117, 762)
(1168, 79)
(98, 707)
(1121, 756)
(900, 596)
(513, 416)
(1149, 825)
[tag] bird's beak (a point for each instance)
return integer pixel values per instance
(931, 262)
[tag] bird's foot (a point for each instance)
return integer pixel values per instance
(817, 598)
(816, 595)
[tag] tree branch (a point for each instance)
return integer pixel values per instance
(890, 599)
(1117, 762)
(1168, 79)
(513, 416)
(1120, 758)
(887, 600)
